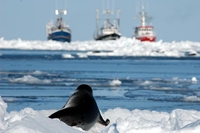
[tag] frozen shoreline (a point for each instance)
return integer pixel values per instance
(122, 120)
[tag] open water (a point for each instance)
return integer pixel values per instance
(45, 80)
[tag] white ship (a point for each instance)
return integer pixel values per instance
(144, 32)
(111, 27)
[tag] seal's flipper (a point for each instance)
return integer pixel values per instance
(63, 112)
(101, 120)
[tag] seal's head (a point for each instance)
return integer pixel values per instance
(85, 88)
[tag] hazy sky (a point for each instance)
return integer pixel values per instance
(174, 20)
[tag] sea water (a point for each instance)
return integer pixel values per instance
(44, 79)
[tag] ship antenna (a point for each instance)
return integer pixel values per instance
(97, 22)
(56, 4)
(102, 6)
(65, 4)
(118, 18)
(113, 6)
(61, 11)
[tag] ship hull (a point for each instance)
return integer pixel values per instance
(148, 39)
(61, 36)
(113, 36)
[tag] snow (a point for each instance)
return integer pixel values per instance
(122, 121)
(122, 47)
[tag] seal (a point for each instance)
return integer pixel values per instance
(81, 110)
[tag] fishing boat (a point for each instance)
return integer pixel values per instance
(144, 32)
(58, 31)
(111, 26)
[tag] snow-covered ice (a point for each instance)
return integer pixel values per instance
(122, 47)
(122, 121)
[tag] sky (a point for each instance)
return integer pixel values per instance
(173, 20)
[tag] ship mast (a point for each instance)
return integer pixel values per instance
(60, 13)
(143, 16)
(97, 22)
(107, 10)
(118, 18)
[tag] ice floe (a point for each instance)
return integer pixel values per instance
(115, 82)
(122, 121)
(28, 79)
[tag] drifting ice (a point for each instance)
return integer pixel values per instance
(115, 82)
(30, 80)
(194, 79)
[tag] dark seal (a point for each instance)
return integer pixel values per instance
(81, 109)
